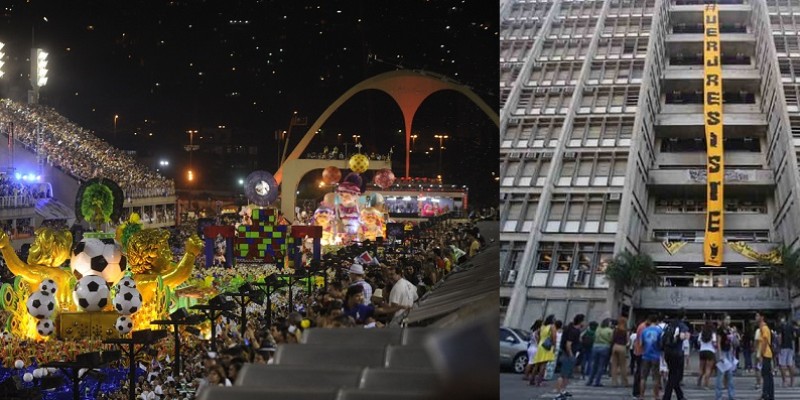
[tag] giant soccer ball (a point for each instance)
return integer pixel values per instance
(128, 301)
(124, 324)
(41, 304)
(48, 285)
(45, 327)
(101, 257)
(126, 283)
(91, 293)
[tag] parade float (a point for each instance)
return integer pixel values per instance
(103, 286)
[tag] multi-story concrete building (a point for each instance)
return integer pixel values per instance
(603, 148)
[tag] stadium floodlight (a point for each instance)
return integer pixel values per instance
(41, 67)
(2, 55)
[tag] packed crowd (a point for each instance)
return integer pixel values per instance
(59, 139)
(336, 154)
(355, 295)
(659, 348)
(16, 193)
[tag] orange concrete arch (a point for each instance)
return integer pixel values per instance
(408, 89)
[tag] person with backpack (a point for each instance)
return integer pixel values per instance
(786, 354)
(672, 343)
(569, 346)
(765, 358)
(637, 355)
(587, 342)
(651, 358)
(726, 363)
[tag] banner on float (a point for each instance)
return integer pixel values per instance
(712, 111)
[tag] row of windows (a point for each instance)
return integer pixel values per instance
(698, 205)
(586, 258)
(520, 212)
(555, 73)
(514, 50)
(782, 5)
(626, 25)
(577, 169)
(578, 9)
(512, 30)
(573, 27)
(697, 59)
(699, 236)
(529, 10)
(628, 47)
(792, 93)
(551, 101)
(786, 44)
(564, 49)
(616, 71)
(540, 128)
(735, 27)
(510, 259)
(635, 7)
(582, 214)
(609, 99)
(696, 97)
(509, 73)
(607, 131)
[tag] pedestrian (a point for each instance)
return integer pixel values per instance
(637, 353)
(618, 353)
(569, 343)
(550, 368)
(600, 353)
(533, 345)
(765, 358)
(757, 348)
(786, 356)
(708, 350)
(587, 343)
(747, 348)
(725, 360)
(651, 358)
(674, 339)
(546, 351)
(631, 344)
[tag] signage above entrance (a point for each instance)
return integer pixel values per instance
(712, 298)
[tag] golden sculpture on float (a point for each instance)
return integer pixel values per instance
(48, 252)
(150, 259)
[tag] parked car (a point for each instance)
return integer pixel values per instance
(514, 348)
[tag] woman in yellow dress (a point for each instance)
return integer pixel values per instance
(544, 354)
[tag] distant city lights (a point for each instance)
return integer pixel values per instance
(30, 177)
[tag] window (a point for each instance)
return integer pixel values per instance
(544, 257)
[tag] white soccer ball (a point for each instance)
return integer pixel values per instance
(41, 304)
(128, 301)
(126, 283)
(45, 327)
(48, 285)
(102, 257)
(124, 324)
(91, 293)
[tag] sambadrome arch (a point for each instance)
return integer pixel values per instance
(408, 89)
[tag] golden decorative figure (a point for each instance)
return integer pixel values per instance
(49, 250)
(150, 258)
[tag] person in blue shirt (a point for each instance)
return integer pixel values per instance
(354, 305)
(651, 355)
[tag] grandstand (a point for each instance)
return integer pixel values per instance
(49, 148)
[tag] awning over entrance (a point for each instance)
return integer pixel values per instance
(713, 298)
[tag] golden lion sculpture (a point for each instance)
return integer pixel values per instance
(150, 258)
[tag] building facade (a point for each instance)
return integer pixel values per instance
(604, 119)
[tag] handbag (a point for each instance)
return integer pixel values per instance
(547, 344)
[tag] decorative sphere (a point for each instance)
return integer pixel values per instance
(384, 178)
(359, 163)
(127, 301)
(102, 257)
(41, 304)
(37, 373)
(45, 327)
(91, 293)
(48, 285)
(331, 175)
(124, 324)
(19, 364)
(28, 377)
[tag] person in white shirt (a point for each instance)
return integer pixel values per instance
(403, 293)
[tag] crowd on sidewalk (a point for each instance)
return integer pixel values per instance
(655, 354)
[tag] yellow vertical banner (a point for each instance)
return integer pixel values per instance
(712, 111)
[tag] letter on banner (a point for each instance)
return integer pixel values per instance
(712, 109)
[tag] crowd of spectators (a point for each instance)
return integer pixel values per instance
(43, 130)
(355, 295)
(336, 154)
(15, 193)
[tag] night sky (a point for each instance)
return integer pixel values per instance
(166, 67)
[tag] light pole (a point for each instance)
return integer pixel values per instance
(116, 117)
(441, 147)
(413, 142)
(190, 175)
(356, 138)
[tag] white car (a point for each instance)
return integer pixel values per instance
(514, 348)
